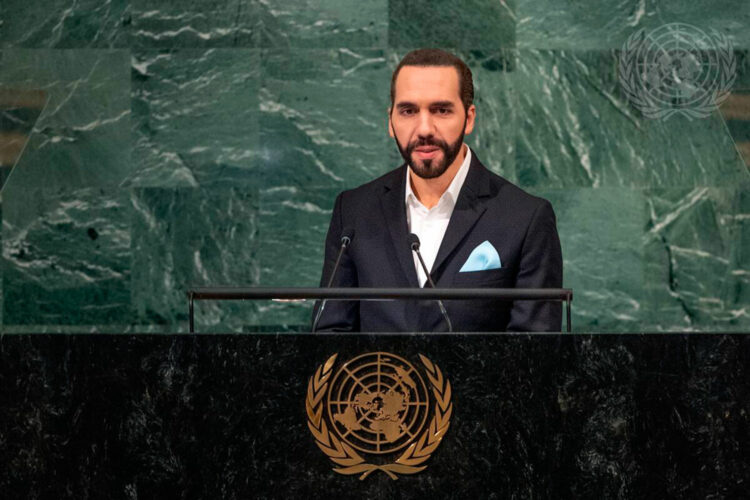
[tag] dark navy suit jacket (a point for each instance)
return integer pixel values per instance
(520, 226)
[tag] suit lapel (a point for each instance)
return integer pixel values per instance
(469, 208)
(394, 210)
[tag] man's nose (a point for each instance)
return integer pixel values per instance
(425, 127)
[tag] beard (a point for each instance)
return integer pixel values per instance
(431, 168)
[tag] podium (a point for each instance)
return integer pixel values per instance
(228, 416)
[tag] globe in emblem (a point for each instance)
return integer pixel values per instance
(677, 69)
(378, 402)
(678, 64)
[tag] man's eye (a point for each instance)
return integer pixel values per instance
(407, 111)
(443, 111)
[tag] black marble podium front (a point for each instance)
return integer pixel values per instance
(223, 416)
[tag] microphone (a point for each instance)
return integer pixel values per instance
(346, 238)
(414, 244)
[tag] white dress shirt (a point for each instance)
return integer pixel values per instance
(430, 224)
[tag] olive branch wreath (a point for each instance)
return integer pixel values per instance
(352, 462)
(652, 107)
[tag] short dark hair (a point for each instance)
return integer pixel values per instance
(437, 57)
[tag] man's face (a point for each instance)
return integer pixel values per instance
(428, 120)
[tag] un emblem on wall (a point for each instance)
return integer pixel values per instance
(377, 412)
(677, 69)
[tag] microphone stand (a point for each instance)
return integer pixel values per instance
(415, 248)
(345, 240)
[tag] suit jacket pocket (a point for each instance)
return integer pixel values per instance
(500, 278)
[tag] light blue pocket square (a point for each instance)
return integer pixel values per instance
(482, 258)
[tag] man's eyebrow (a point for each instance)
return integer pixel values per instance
(405, 104)
(437, 104)
(441, 104)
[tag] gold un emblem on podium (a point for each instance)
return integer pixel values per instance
(376, 412)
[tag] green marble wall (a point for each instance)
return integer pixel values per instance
(203, 142)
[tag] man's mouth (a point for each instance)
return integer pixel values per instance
(426, 152)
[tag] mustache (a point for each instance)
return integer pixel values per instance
(440, 144)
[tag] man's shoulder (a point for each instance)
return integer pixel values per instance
(506, 193)
(390, 180)
(518, 194)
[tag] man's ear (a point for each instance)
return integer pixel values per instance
(390, 124)
(471, 115)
